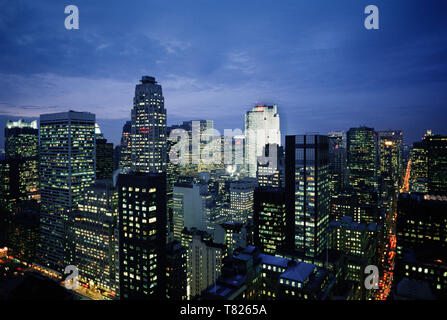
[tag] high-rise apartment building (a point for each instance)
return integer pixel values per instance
(148, 132)
(67, 168)
(262, 126)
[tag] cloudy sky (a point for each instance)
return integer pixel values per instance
(217, 59)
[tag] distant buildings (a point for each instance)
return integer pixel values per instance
(262, 126)
(125, 159)
(67, 168)
(194, 207)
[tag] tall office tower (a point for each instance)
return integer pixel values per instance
(92, 236)
(126, 147)
(337, 162)
(422, 240)
(21, 161)
(67, 168)
(194, 207)
(204, 264)
(307, 193)
(104, 156)
(21, 139)
(269, 219)
(262, 127)
(241, 199)
(148, 131)
(437, 164)
(419, 168)
(362, 150)
(270, 170)
(390, 157)
(142, 235)
(176, 280)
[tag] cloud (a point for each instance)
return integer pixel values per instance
(240, 61)
(169, 44)
(32, 95)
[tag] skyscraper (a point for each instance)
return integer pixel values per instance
(20, 166)
(337, 162)
(104, 156)
(126, 147)
(142, 235)
(307, 193)
(67, 167)
(148, 131)
(437, 164)
(390, 157)
(269, 219)
(262, 126)
(419, 168)
(362, 153)
(21, 139)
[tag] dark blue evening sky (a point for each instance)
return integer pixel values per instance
(217, 59)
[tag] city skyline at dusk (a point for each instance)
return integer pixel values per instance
(222, 158)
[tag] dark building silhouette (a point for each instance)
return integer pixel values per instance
(269, 219)
(142, 235)
(307, 194)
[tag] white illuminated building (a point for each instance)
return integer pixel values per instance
(261, 128)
